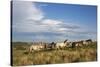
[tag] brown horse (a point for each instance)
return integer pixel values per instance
(87, 42)
(77, 44)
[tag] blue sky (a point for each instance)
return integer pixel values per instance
(53, 22)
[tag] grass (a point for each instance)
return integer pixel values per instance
(68, 55)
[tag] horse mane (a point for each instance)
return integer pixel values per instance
(89, 40)
(65, 41)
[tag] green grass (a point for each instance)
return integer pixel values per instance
(68, 55)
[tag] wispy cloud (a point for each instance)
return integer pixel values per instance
(29, 19)
(26, 10)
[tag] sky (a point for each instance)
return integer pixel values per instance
(47, 22)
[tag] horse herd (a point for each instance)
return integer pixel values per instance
(60, 45)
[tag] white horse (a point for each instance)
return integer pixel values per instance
(37, 47)
(61, 45)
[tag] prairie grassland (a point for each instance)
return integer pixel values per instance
(20, 55)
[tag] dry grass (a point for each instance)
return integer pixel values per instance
(68, 55)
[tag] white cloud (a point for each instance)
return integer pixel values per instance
(26, 10)
(51, 22)
(23, 11)
(62, 29)
(29, 18)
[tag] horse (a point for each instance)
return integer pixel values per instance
(77, 44)
(61, 45)
(36, 47)
(87, 42)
